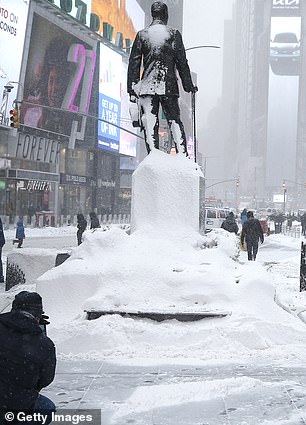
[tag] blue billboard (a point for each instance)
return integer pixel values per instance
(109, 99)
(108, 134)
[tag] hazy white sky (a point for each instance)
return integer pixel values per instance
(204, 25)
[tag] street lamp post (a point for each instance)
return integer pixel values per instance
(284, 200)
(7, 89)
(236, 193)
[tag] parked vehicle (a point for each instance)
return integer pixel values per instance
(214, 217)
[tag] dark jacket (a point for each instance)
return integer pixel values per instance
(82, 223)
(162, 50)
(20, 230)
(252, 231)
(2, 238)
(27, 360)
(230, 225)
(94, 221)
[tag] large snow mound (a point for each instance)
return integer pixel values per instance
(116, 271)
(112, 270)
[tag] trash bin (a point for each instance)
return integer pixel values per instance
(278, 227)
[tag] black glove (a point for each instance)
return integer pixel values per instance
(44, 320)
(194, 89)
(262, 240)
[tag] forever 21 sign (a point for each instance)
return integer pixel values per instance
(35, 148)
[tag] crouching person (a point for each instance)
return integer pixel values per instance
(27, 361)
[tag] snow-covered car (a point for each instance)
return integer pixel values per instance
(285, 46)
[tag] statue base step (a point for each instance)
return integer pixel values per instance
(160, 316)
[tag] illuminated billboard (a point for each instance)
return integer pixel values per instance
(13, 20)
(60, 73)
(109, 99)
(285, 45)
(125, 17)
(127, 140)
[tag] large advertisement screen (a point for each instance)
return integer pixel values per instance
(127, 140)
(13, 20)
(60, 73)
(125, 17)
(285, 68)
(285, 45)
(109, 99)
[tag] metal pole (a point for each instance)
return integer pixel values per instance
(204, 192)
(194, 130)
(4, 105)
(303, 268)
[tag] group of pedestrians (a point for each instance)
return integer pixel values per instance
(82, 225)
(251, 232)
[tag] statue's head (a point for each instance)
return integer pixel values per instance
(159, 10)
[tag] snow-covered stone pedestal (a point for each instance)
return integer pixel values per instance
(165, 193)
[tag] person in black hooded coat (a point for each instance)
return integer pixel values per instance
(251, 233)
(81, 225)
(230, 224)
(27, 357)
(94, 221)
(160, 49)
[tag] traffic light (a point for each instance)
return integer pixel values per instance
(237, 182)
(14, 117)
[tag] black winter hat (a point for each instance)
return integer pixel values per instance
(250, 214)
(28, 301)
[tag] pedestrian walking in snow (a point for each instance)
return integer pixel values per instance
(81, 225)
(20, 235)
(27, 358)
(159, 48)
(94, 221)
(230, 224)
(2, 243)
(252, 233)
(243, 216)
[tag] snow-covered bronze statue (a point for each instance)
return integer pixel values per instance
(157, 53)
